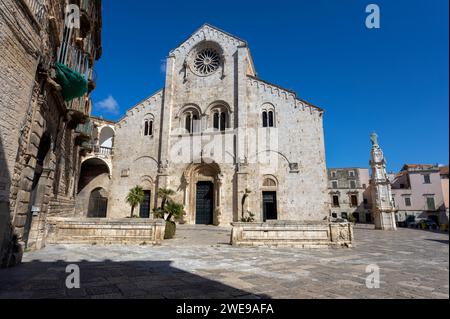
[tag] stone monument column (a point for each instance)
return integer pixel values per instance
(383, 207)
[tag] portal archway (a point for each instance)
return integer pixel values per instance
(202, 184)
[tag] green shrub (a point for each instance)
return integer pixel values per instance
(170, 231)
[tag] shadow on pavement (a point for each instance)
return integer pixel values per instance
(113, 280)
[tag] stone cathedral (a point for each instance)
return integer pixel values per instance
(227, 142)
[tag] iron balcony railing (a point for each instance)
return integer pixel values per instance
(38, 9)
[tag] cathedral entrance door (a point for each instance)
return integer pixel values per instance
(144, 211)
(204, 203)
(270, 206)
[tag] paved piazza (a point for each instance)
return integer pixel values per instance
(199, 264)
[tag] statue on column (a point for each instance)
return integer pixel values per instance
(383, 206)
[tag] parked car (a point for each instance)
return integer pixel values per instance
(427, 224)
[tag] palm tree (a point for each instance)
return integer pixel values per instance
(165, 194)
(175, 210)
(135, 197)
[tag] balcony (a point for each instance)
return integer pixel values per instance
(85, 131)
(38, 10)
(98, 151)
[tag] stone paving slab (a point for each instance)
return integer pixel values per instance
(199, 264)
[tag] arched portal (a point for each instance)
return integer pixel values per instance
(98, 204)
(90, 169)
(202, 193)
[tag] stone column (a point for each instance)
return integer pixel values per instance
(384, 212)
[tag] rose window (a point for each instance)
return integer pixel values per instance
(206, 62)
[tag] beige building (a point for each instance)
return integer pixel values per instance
(225, 140)
(40, 113)
(350, 193)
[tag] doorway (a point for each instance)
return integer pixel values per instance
(270, 206)
(98, 204)
(144, 211)
(204, 203)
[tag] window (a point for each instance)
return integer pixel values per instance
(334, 215)
(333, 174)
(148, 127)
(264, 119)
(427, 179)
(352, 184)
(344, 215)
(191, 121)
(271, 123)
(408, 201)
(366, 201)
(351, 173)
(336, 201)
(354, 200)
(334, 184)
(268, 116)
(431, 204)
(220, 120)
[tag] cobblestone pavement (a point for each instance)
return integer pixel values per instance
(200, 264)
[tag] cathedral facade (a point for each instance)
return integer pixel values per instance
(228, 143)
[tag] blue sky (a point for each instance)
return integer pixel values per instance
(393, 80)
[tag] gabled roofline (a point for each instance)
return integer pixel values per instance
(287, 90)
(139, 103)
(211, 26)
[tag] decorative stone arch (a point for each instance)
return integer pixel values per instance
(270, 182)
(90, 169)
(219, 113)
(202, 172)
(190, 117)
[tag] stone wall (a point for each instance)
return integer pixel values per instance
(293, 234)
(166, 160)
(104, 231)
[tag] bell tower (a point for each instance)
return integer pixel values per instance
(381, 189)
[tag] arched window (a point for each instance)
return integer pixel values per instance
(271, 123)
(220, 119)
(268, 116)
(191, 121)
(264, 119)
(148, 126)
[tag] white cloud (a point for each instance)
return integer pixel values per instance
(162, 66)
(109, 105)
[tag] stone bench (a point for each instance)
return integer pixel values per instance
(293, 234)
(104, 231)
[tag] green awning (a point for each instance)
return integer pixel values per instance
(73, 83)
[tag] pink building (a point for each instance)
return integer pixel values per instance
(418, 190)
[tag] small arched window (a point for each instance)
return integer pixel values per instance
(220, 119)
(148, 127)
(191, 121)
(268, 116)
